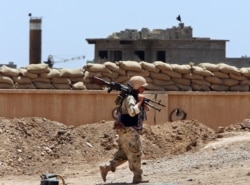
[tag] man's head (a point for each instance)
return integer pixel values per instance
(137, 81)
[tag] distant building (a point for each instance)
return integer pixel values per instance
(10, 64)
(172, 45)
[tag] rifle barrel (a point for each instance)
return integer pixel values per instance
(149, 100)
(156, 108)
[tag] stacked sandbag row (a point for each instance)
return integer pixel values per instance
(172, 77)
(40, 76)
(224, 77)
(160, 76)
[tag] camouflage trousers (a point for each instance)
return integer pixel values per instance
(129, 150)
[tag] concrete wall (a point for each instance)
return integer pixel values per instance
(177, 51)
(212, 108)
(81, 107)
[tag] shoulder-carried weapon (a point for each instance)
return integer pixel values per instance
(125, 90)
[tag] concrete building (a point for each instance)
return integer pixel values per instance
(171, 45)
(174, 45)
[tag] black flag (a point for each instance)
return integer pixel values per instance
(178, 18)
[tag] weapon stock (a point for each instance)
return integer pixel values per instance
(111, 85)
(125, 91)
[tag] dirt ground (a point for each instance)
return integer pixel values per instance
(180, 152)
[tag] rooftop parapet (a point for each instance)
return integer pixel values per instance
(180, 32)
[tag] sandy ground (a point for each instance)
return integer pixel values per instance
(181, 152)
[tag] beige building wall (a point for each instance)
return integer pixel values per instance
(82, 107)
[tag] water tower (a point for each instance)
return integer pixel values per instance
(35, 42)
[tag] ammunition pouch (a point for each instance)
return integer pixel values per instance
(120, 97)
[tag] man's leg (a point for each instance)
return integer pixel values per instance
(132, 148)
(119, 158)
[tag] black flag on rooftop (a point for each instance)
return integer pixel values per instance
(178, 18)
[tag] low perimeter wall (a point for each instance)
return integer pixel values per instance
(82, 107)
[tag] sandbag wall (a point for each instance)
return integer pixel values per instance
(40, 76)
(173, 77)
(159, 75)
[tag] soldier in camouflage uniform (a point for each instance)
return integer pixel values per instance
(128, 126)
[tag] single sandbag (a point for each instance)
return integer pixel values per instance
(217, 87)
(200, 71)
(43, 85)
(245, 82)
(172, 74)
(237, 77)
(160, 76)
(241, 88)
(60, 80)
(112, 66)
(93, 67)
(183, 69)
(209, 66)
(79, 86)
(115, 67)
(213, 79)
(201, 82)
(51, 73)
(230, 82)
(25, 86)
(162, 65)
(6, 86)
(221, 74)
(61, 86)
(6, 79)
(245, 71)
(149, 66)
(8, 71)
(225, 68)
(38, 68)
(130, 65)
(197, 87)
(184, 87)
(71, 72)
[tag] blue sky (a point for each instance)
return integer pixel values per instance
(67, 23)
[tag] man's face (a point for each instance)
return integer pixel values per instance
(141, 89)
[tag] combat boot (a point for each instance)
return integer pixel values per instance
(104, 171)
(138, 179)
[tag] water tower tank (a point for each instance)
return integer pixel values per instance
(35, 45)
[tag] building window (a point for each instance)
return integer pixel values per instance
(139, 56)
(125, 42)
(103, 54)
(117, 55)
(161, 56)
